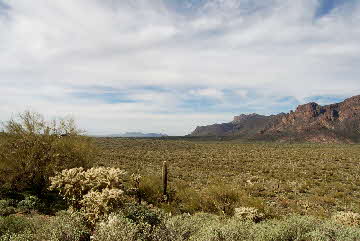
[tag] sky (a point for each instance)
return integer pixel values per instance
(169, 65)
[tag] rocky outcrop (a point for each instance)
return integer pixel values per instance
(339, 122)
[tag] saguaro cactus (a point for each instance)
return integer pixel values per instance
(165, 179)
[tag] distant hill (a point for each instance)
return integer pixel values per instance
(335, 123)
(138, 134)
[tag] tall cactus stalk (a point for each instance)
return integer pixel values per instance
(165, 179)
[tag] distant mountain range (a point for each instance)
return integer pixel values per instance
(335, 123)
(138, 134)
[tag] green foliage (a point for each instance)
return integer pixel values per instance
(115, 228)
(186, 227)
(224, 230)
(150, 189)
(290, 228)
(6, 208)
(205, 227)
(222, 199)
(28, 204)
(141, 214)
(133, 223)
(67, 226)
(14, 225)
(35, 149)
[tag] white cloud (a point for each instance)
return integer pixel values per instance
(210, 93)
(52, 50)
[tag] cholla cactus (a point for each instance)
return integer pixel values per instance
(347, 218)
(249, 214)
(74, 183)
(96, 204)
(70, 184)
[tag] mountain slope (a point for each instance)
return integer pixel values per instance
(339, 122)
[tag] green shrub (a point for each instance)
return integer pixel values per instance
(65, 226)
(28, 204)
(225, 230)
(6, 208)
(133, 223)
(221, 199)
(329, 231)
(187, 200)
(187, 226)
(290, 228)
(141, 214)
(26, 235)
(36, 149)
(150, 189)
(115, 227)
(14, 225)
(207, 227)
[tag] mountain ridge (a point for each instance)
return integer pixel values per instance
(333, 123)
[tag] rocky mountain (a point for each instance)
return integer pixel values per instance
(339, 122)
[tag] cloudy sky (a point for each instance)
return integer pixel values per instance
(171, 65)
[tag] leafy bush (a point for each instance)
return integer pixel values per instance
(225, 230)
(186, 226)
(115, 227)
(36, 149)
(150, 189)
(65, 226)
(29, 203)
(187, 200)
(290, 228)
(133, 223)
(14, 225)
(142, 214)
(221, 199)
(329, 231)
(6, 208)
(26, 235)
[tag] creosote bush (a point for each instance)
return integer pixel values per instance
(33, 150)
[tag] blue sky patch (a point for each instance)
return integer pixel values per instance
(326, 6)
(325, 99)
